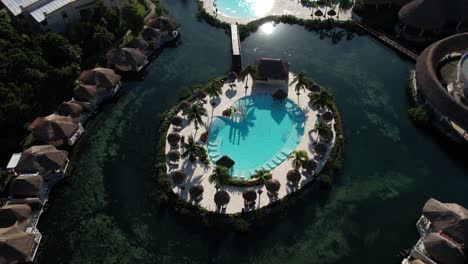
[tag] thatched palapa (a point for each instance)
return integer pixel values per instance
(173, 155)
(273, 186)
(100, 77)
(27, 186)
(294, 177)
(225, 161)
(164, 23)
(249, 195)
(54, 129)
(43, 159)
(14, 215)
(178, 177)
(232, 77)
(442, 250)
(424, 14)
(321, 148)
(221, 198)
(196, 191)
(272, 69)
(177, 121)
(280, 94)
(16, 246)
(126, 59)
(328, 116)
(173, 138)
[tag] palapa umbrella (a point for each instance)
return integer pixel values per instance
(328, 116)
(173, 155)
(279, 94)
(222, 198)
(200, 94)
(184, 105)
(321, 148)
(196, 191)
(178, 177)
(249, 195)
(173, 138)
(315, 88)
(318, 13)
(225, 161)
(293, 176)
(331, 12)
(177, 121)
(310, 165)
(273, 186)
(231, 77)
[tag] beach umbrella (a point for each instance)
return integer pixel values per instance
(331, 12)
(173, 138)
(318, 13)
(249, 195)
(176, 121)
(310, 165)
(225, 161)
(293, 176)
(178, 177)
(196, 191)
(184, 105)
(321, 148)
(327, 116)
(280, 94)
(315, 88)
(222, 198)
(273, 185)
(232, 77)
(173, 155)
(200, 94)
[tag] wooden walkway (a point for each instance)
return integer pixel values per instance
(236, 53)
(389, 42)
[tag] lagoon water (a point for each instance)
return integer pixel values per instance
(103, 214)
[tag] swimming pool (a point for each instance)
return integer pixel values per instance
(261, 135)
(244, 9)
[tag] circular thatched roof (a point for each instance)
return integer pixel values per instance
(231, 77)
(225, 161)
(178, 177)
(200, 94)
(184, 105)
(177, 121)
(293, 176)
(222, 198)
(321, 148)
(327, 116)
(331, 12)
(273, 185)
(173, 155)
(318, 13)
(249, 195)
(315, 88)
(173, 138)
(424, 14)
(310, 164)
(196, 190)
(279, 94)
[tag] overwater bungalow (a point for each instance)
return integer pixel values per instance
(141, 45)
(127, 59)
(272, 71)
(101, 78)
(56, 130)
(78, 110)
(28, 186)
(164, 23)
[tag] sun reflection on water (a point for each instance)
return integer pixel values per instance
(267, 28)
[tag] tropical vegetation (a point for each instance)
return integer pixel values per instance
(322, 98)
(263, 175)
(301, 81)
(193, 150)
(298, 157)
(195, 114)
(248, 70)
(219, 175)
(323, 130)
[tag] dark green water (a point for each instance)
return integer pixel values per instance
(103, 215)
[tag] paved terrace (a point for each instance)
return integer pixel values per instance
(198, 173)
(282, 7)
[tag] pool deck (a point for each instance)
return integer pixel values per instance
(281, 7)
(198, 173)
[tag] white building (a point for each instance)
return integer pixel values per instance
(52, 15)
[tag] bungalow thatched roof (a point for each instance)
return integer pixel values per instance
(53, 129)
(173, 138)
(42, 159)
(173, 155)
(14, 215)
(272, 69)
(249, 195)
(442, 250)
(72, 109)
(16, 246)
(424, 14)
(178, 177)
(221, 198)
(164, 23)
(138, 43)
(100, 77)
(126, 59)
(279, 94)
(177, 121)
(294, 176)
(85, 93)
(151, 34)
(321, 148)
(273, 185)
(196, 190)
(27, 186)
(428, 82)
(225, 161)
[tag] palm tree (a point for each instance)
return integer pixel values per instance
(301, 82)
(193, 150)
(219, 175)
(323, 130)
(322, 98)
(214, 90)
(263, 175)
(244, 74)
(195, 114)
(298, 157)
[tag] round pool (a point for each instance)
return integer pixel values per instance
(244, 9)
(261, 134)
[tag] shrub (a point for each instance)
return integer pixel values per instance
(420, 115)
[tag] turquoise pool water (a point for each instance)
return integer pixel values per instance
(261, 135)
(244, 8)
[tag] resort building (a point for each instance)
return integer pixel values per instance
(272, 71)
(126, 59)
(443, 228)
(77, 110)
(56, 130)
(438, 87)
(53, 15)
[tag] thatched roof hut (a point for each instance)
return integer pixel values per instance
(126, 59)
(178, 177)
(328, 116)
(225, 161)
(200, 94)
(72, 109)
(272, 69)
(138, 43)
(184, 105)
(424, 14)
(173, 138)
(221, 198)
(442, 250)
(177, 121)
(54, 129)
(232, 77)
(85, 93)
(294, 177)
(100, 77)
(16, 246)
(321, 148)
(310, 165)
(249, 195)
(315, 88)
(14, 215)
(164, 23)
(151, 35)
(331, 12)
(173, 155)
(273, 185)
(43, 159)
(318, 13)
(27, 186)
(196, 191)
(279, 94)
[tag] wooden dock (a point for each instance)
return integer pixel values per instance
(236, 52)
(389, 42)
